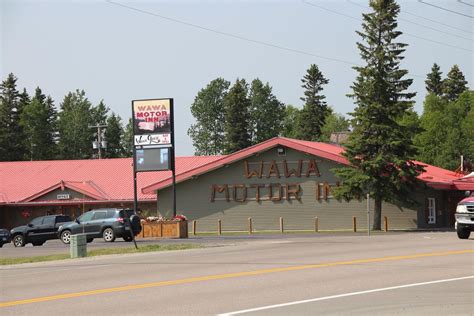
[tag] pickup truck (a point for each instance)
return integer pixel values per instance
(465, 217)
(39, 230)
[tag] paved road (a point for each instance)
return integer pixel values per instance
(409, 274)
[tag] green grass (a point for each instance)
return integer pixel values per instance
(100, 252)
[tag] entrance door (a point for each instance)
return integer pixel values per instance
(431, 211)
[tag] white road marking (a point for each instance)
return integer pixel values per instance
(343, 295)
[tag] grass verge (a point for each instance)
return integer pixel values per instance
(100, 252)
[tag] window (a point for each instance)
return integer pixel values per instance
(431, 211)
(99, 215)
(86, 217)
(37, 221)
(49, 221)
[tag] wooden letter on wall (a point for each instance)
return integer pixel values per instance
(223, 188)
(250, 174)
(244, 194)
(257, 187)
(295, 191)
(312, 168)
(296, 172)
(270, 192)
(273, 169)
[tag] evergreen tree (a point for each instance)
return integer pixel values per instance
(99, 113)
(379, 148)
(266, 112)
(315, 110)
(237, 117)
(75, 136)
(454, 84)
(12, 145)
(113, 136)
(291, 121)
(434, 83)
(209, 112)
(38, 121)
(127, 139)
(335, 123)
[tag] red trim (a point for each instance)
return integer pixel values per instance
(66, 184)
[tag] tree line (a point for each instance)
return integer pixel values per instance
(31, 128)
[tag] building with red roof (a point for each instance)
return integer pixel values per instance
(280, 177)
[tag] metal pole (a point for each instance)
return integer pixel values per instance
(173, 160)
(368, 214)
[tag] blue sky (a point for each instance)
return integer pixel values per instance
(118, 54)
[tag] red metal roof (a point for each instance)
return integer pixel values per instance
(100, 179)
(434, 176)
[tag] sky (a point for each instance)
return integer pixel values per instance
(121, 50)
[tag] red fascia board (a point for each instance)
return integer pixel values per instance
(60, 185)
(74, 202)
(244, 153)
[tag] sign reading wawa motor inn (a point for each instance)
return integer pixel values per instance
(152, 122)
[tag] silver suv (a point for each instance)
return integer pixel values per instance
(465, 217)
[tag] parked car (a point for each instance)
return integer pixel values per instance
(5, 237)
(39, 230)
(465, 217)
(108, 223)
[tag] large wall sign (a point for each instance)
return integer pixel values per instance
(152, 122)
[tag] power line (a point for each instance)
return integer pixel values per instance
(460, 1)
(408, 34)
(448, 10)
(203, 28)
(434, 21)
(240, 37)
(418, 24)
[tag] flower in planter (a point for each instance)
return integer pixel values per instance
(180, 218)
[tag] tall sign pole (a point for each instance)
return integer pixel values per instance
(153, 140)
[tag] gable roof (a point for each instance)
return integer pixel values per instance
(98, 179)
(433, 176)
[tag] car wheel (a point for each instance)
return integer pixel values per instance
(108, 235)
(38, 243)
(66, 236)
(128, 238)
(19, 241)
(463, 233)
(90, 239)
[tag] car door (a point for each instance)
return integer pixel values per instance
(48, 228)
(82, 223)
(34, 230)
(97, 221)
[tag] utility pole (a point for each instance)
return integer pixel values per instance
(100, 143)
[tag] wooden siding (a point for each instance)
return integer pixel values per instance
(193, 200)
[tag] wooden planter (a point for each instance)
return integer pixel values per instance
(167, 229)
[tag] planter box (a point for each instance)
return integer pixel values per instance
(168, 229)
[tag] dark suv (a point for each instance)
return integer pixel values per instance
(108, 223)
(39, 230)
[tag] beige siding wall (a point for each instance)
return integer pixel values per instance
(193, 199)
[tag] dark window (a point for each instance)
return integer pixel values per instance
(37, 221)
(100, 215)
(49, 220)
(86, 217)
(62, 219)
(111, 214)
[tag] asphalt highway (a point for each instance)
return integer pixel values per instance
(405, 274)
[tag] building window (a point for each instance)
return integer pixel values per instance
(431, 211)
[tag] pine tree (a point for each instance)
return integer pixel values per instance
(266, 112)
(127, 139)
(434, 83)
(209, 112)
(113, 136)
(290, 122)
(12, 145)
(454, 84)
(75, 136)
(237, 117)
(315, 110)
(99, 113)
(379, 148)
(38, 120)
